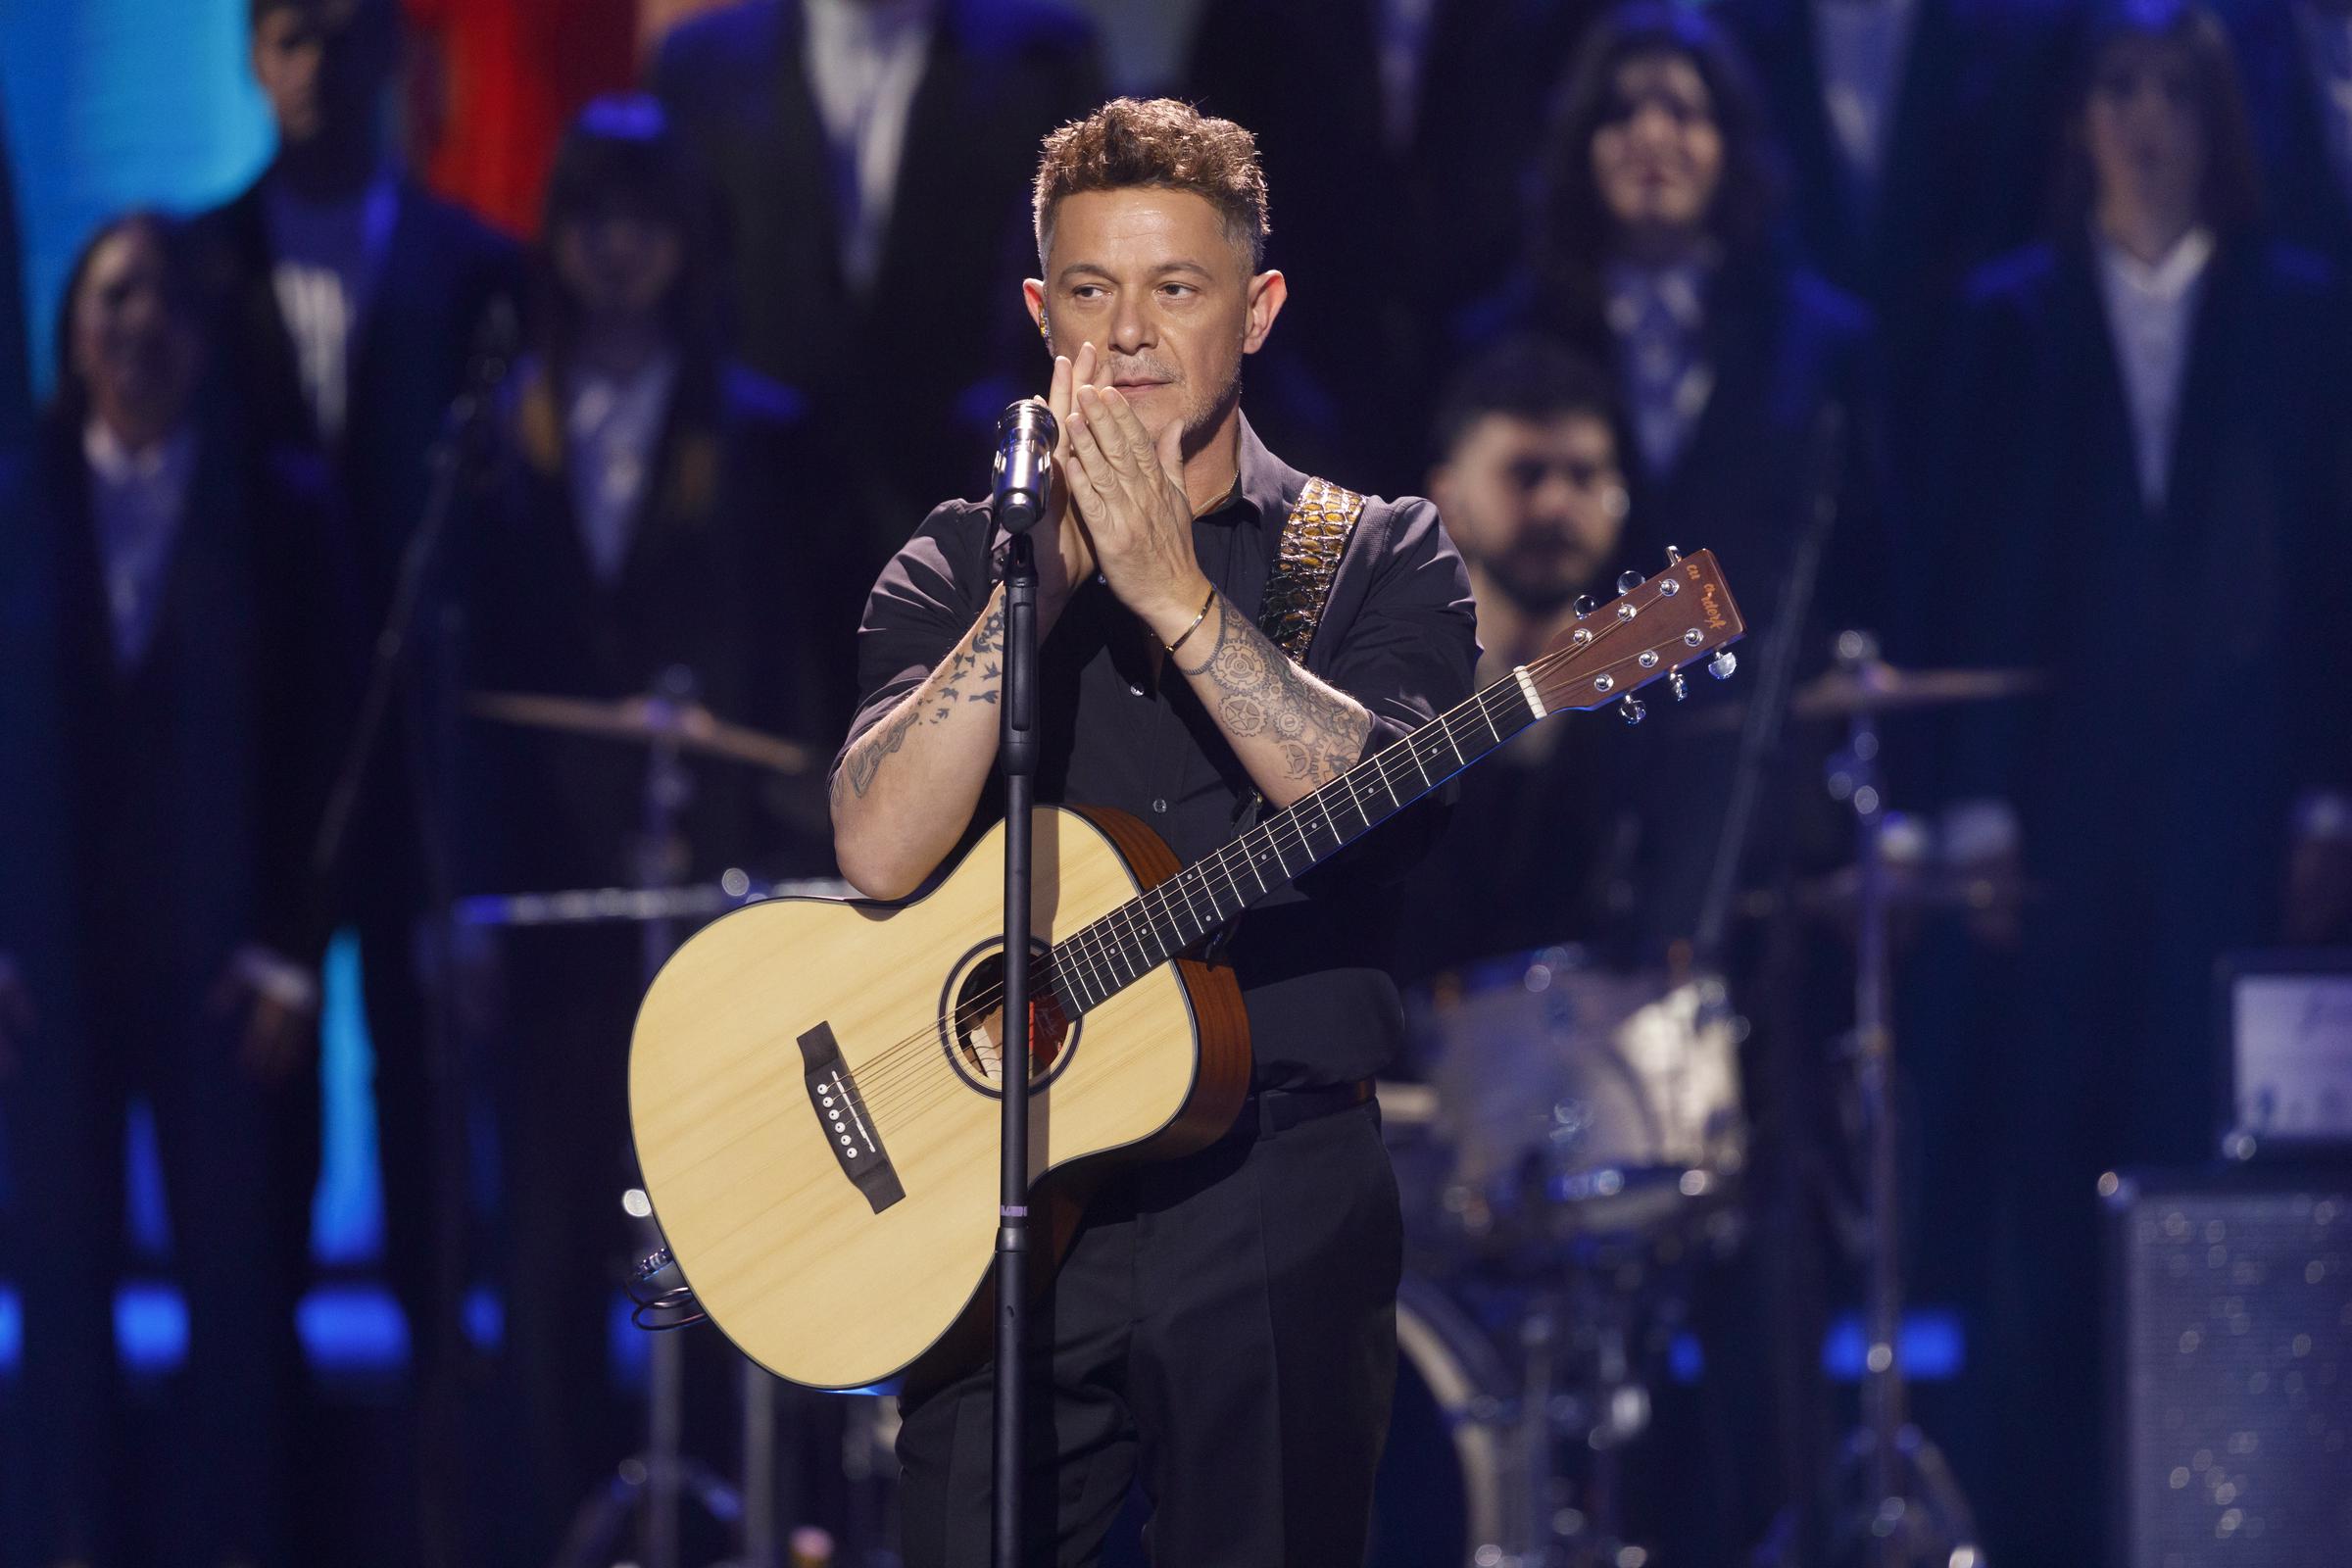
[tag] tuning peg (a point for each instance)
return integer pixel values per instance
(1674, 555)
(1630, 708)
(1678, 686)
(1583, 606)
(1723, 663)
(1628, 581)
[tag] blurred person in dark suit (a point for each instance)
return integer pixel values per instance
(2146, 479)
(348, 304)
(1917, 133)
(661, 509)
(165, 632)
(856, 144)
(1404, 129)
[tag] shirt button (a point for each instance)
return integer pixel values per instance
(1161, 807)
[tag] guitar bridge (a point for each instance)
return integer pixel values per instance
(842, 1116)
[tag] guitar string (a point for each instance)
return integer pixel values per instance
(893, 1062)
(1091, 948)
(895, 1069)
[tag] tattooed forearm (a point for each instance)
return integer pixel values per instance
(1257, 691)
(931, 701)
(857, 770)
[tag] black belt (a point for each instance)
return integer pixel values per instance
(1278, 1110)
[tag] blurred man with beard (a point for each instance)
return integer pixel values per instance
(1529, 483)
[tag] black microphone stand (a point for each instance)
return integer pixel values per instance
(1016, 761)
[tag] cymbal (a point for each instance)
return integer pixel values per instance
(1908, 887)
(645, 720)
(1881, 688)
(590, 905)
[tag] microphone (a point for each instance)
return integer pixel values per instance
(1024, 467)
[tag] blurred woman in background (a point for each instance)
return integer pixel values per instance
(169, 643)
(2145, 472)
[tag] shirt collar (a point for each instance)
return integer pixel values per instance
(868, 23)
(1681, 289)
(2167, 280)
(1263, 488)
(373, 203)
(167, 462)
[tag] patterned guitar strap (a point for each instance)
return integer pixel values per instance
(1306, 561)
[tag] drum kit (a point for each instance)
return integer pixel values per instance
(1574, 1154)
(1571, 1157)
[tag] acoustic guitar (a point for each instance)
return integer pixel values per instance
(812, 1080)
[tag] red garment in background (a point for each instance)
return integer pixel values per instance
(501, 81)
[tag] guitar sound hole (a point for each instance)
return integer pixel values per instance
(980, 1024)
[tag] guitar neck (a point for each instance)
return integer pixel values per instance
(1099, 960)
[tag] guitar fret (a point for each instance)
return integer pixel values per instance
(1094, 977)
(1447, 729)
(1234, 882)
(1135, 967)
(1490, 718)
(1152, 927)
(1349, 778)
(1179, 879)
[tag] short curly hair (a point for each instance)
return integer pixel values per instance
(1164, 144)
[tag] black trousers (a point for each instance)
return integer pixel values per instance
(1223, 1328)
(240, 1160)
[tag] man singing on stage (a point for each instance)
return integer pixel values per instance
(1222, 1326)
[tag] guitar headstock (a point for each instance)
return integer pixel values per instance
(1654, 629)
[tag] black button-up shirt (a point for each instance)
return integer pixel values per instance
(1124, 729)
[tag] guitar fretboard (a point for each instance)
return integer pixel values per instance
(1098, 961)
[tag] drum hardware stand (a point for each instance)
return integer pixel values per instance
(1608, 1409)
(1911, 1511)
(655, 1480)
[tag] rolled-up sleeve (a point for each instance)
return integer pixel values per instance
(1409, 653)
(1412, 650)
